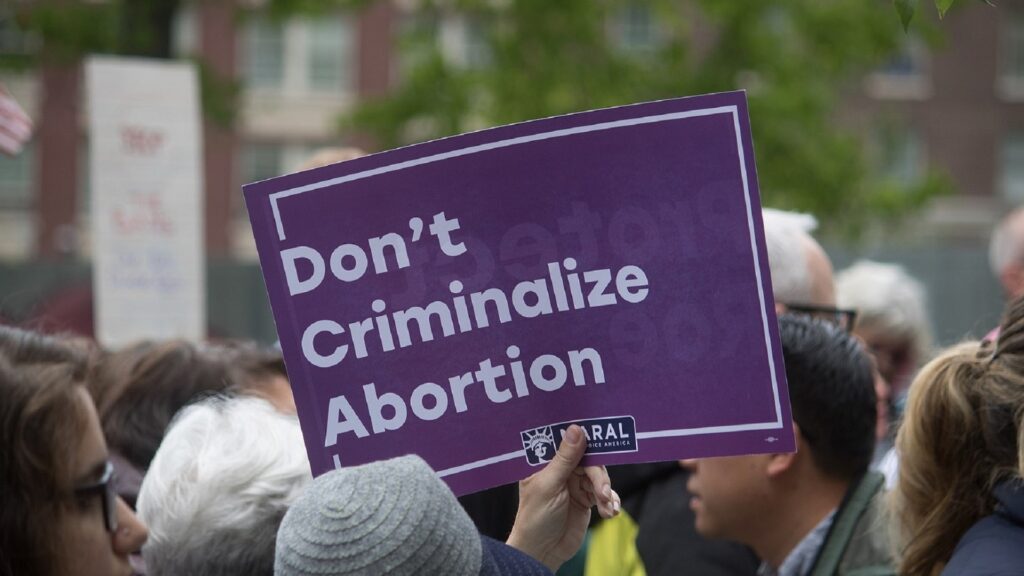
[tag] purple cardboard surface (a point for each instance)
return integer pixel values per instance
(468, 298)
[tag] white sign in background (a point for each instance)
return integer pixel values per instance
(147, 201)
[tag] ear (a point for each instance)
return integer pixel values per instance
(1012, 278)
(782, 462)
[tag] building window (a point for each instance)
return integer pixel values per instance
(1010, 83)
(329, 54)
(899, 154)
(461, 39)
(1011, 184)
(904, 76)
(299, 57)
(478, 50)
(183, 32)
(634, 30)
(17, 181)
(261, 161)
(265, 54)
(13, 40)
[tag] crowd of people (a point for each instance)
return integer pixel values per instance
(173, 458)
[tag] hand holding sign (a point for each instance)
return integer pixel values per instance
(554, 504)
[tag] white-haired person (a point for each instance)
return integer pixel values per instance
(215, 493)
(229, 469)
(1006, 253)
(892, 318)
(801, 270)
(803, 284)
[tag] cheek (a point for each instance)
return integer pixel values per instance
(85, 544)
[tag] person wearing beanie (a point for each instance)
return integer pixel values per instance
(397, 517)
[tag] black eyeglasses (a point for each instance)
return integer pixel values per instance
(105, 489)
(844, 318)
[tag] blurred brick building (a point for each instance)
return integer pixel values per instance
(958, 107)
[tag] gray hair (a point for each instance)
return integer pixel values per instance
(215, 494)
(1007, 243)
(889, 300)
(787, 235)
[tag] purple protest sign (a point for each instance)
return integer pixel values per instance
(469, 298)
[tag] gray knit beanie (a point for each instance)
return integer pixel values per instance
(390, 517)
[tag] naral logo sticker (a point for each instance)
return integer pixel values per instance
(604, 436)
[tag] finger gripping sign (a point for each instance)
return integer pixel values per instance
(470, 298)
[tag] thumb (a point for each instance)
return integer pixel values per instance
(568, 457)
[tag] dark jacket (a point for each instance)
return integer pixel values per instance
(994, 546)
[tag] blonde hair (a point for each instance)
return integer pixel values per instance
(327, 156)
(961, 435)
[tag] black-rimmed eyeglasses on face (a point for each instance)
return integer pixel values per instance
(104, 488)
(844, 318)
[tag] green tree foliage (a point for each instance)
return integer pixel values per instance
(66, 31)
(907, 8)
(537, 58)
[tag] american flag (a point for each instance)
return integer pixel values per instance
(15, 125)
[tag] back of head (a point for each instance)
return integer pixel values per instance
(1006, 253)
(142, 387)
(218, 487)
(887, 299)
(831, 390)
(961, 435)
(41, 419)
(788, 240)
(1006, 245)
(390, 517)
(258, 371)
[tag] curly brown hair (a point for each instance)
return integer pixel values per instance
(41, 420)
(962, 434)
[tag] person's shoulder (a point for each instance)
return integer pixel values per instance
(992, 547)
(858, 544)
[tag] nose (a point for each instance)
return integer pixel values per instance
(131, 533)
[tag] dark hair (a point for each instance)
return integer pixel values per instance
(250, 362)
(831, 390)
(41, 421)
(139, 389)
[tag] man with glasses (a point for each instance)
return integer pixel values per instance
(802, 278)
